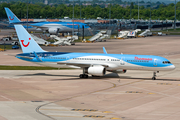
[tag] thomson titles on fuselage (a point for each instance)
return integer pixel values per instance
(148, 59)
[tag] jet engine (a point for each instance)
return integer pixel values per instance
(53, 31)
(95, 70)
(118, 71)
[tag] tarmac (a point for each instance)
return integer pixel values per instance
(62, 95)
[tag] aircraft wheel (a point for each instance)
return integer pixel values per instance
(95, 76)
(16, 43)
(86, 76)
(81, 76)
(154, 78)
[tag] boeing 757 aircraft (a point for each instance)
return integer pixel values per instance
(95, 64)
(51, 27)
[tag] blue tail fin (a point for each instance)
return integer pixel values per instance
(28, 44)
(11, 16)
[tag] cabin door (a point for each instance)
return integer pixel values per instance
(155, 62)
(122, 61)
(67, 59)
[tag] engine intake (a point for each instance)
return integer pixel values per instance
(53, 31)
(95, 70)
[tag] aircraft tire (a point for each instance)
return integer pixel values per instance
(83, 76)
(86, 76)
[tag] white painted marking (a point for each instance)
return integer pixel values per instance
(6, 98)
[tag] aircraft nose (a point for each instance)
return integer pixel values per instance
(172, 67)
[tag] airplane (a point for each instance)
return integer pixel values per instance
(60, 27)
(13, 19)
(51, 27)
(95, 64)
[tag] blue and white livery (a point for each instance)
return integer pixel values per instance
(13, 19)
(95, 64)
(51, 27)
(11, 16)
(56, 27)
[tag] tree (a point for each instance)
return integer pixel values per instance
(62, 10)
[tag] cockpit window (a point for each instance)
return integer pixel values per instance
(166, 62)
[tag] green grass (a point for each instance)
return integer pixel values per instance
(3, 67)
(170, 31)
(7, 47)
(50, 40)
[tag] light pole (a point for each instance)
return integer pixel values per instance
(175, 17)
(27, 15)
(80, 8)
(138, 9)
(109, 13)
(73, 19)
(130, 9)
(150, 16)
(130, 12)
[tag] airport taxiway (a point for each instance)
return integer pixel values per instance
(61, 95)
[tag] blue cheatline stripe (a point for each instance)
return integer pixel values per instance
(140, 60)
(67, 24)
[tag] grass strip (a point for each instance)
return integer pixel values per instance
(7, 47)
(4, 67)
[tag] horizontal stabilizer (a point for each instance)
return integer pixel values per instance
(37, 57)
(25, 57)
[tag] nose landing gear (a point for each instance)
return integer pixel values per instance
(154, 75)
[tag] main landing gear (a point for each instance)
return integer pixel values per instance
(154, 75)
(83, 76)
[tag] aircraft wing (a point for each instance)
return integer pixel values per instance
(83, 65)
(45, 25)
(39, 25)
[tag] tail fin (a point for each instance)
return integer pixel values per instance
(28, 44)
(11, 16)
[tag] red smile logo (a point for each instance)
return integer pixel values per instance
(11, 18)
(24, 44)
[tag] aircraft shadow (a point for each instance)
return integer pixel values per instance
(107, 76)
(44, 74)
(160, 79)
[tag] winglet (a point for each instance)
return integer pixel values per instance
(104, 50)
(11, 16)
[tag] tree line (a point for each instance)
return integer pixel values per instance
(75, 1)
(39, 10)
